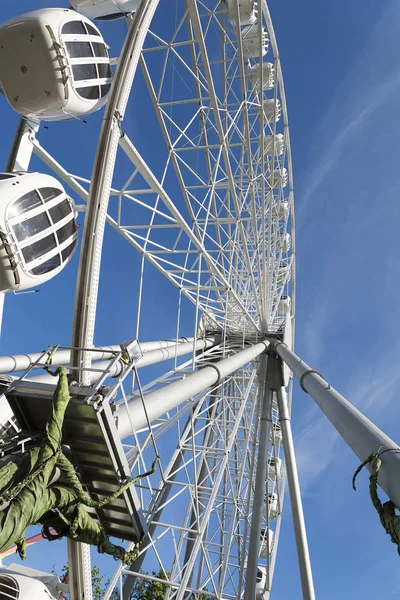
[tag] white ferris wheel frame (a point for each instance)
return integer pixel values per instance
(253, 324)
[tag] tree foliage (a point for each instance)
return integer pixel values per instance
(146, 589)
(143, 588)
(97, 588)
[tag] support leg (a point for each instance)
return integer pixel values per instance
(260, 487)
(295, 498)
(360, 433)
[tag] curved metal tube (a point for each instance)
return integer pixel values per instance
(93, 233)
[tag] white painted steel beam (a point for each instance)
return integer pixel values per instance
(303, 554)
(360, 433)
(22, 362)
(80, 581)
(149, 358)
(259, 490)
(160, 401)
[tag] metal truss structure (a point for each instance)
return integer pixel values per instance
(210, 206)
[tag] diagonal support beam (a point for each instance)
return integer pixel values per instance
(167, 398)
(261, 475)
(360, 433)
(303, 554)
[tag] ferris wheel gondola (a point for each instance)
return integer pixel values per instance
(54, 65)
(247, 10)
(38, 230)
(273, 507)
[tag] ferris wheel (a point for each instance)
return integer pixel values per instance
(204, 203)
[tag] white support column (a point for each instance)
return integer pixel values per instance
(166, 398)
(149, 358)
(260, 485)
(21, 362)
(303, 554)
(80, 576)
(360, 433)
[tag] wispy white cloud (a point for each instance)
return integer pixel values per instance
(364, 108)
(314, 450)
(315, 326)
(358, 98)
(375, 387)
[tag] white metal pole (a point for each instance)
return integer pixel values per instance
(149, 358)
(303, 554)
(79, 565)
(166, 398)
(22, 362)
(260, 485)
(360, 433)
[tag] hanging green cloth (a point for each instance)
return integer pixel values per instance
(28, 496)
(386, 511)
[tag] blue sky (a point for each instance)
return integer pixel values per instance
(342, 77)
(343, 111)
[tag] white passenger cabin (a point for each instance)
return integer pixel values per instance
(247, 11)
(276, 434)
(280, 210)
(284, 242)
(268, 72)
(285, 305)
(54, 64)
(38, 230)
(272, 506)
(278, 178)
(284, 273)
(274, 468)
(23, 583)
(266, 548)
(18, 587)
(105, 10)
(271, 110)
(274, 144)
(261, 593)
(251, 41)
